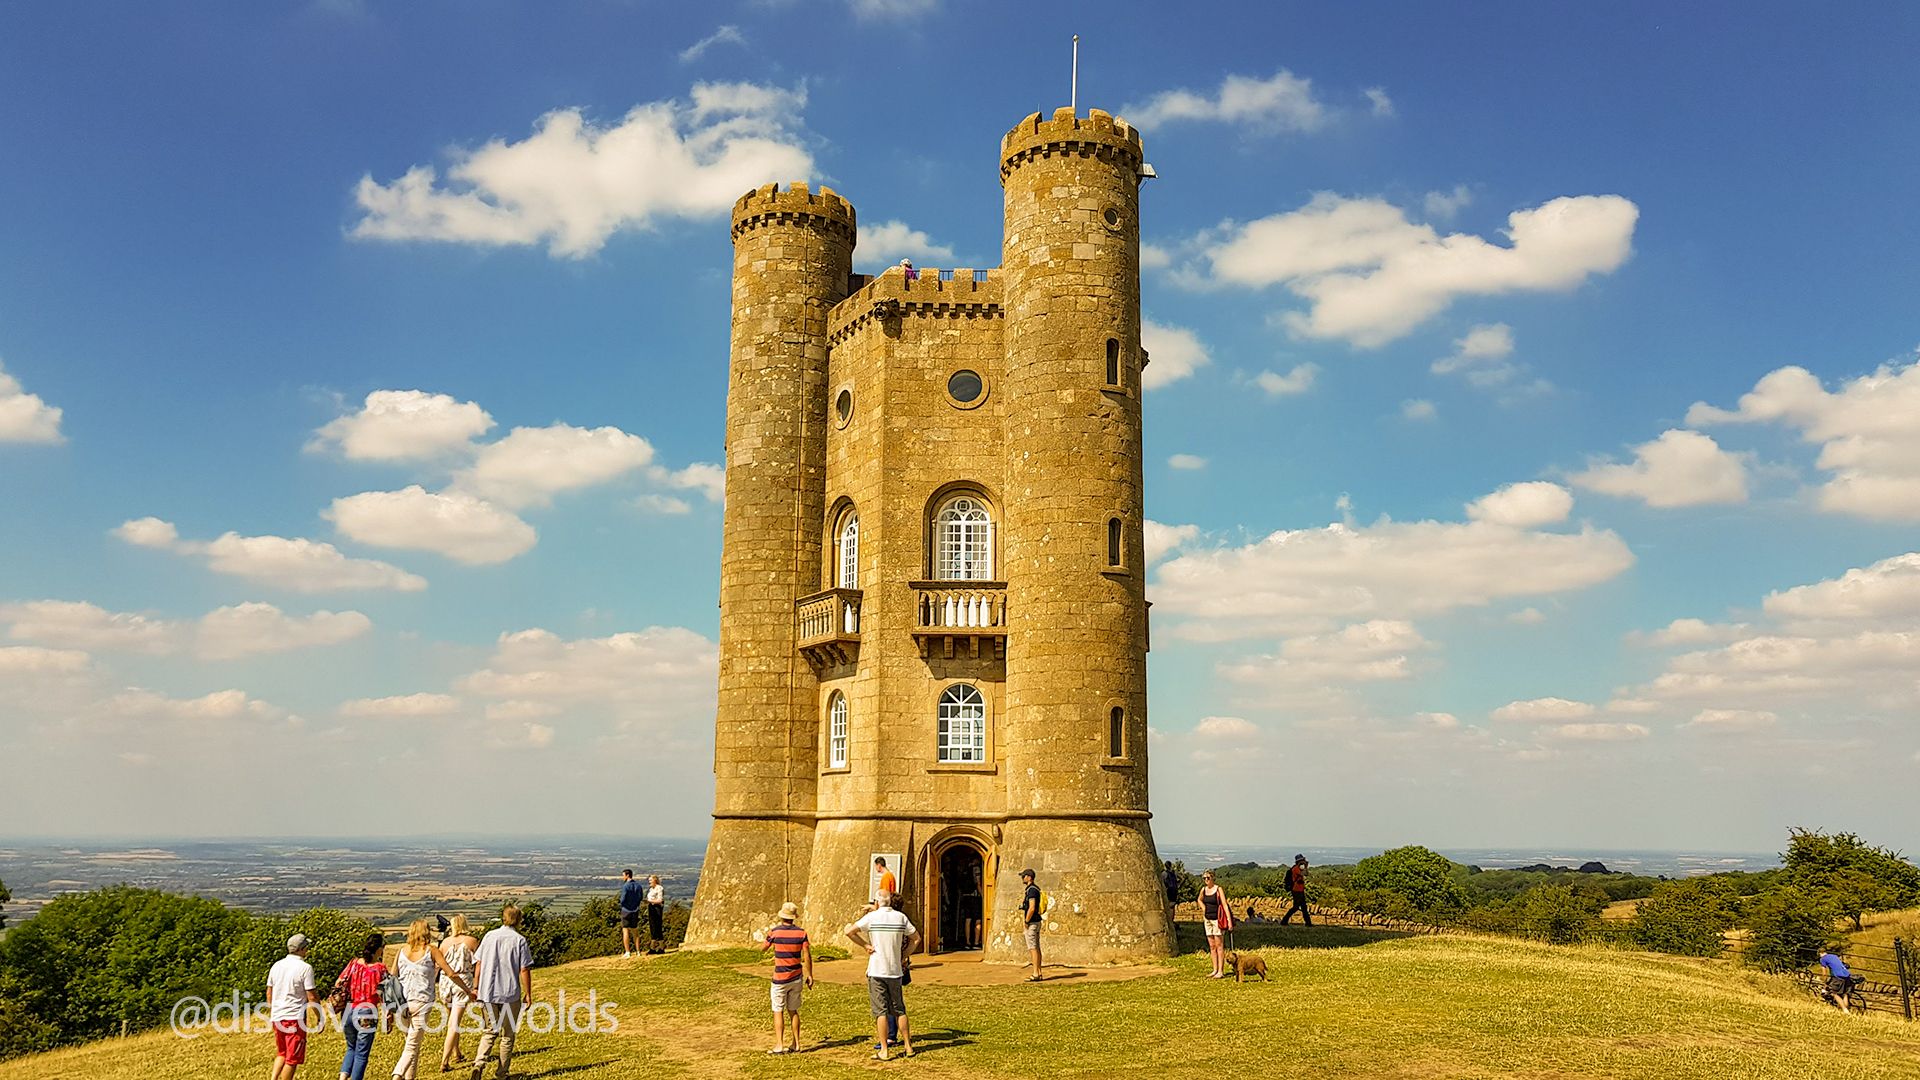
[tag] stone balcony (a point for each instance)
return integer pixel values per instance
(827, 627)
(955, 617)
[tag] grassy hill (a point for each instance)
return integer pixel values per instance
(1369, 1006)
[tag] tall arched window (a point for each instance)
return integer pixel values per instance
(1115, 551)
(963, 541)
(849, 553)
(837, 732)
(1113, 361)
(963, 724)
(1117, 732)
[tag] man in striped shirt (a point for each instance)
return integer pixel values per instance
(792, 969)
(888, 936)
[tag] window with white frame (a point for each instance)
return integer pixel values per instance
(963, 724)
(963, 541)
(837, 732)
(849, 543)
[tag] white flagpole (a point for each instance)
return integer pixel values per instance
(1073, 97)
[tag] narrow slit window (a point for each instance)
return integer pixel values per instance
(1113, 361)
(1114, 543)
(1117, 732)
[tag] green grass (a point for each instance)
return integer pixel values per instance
(1343, 1003)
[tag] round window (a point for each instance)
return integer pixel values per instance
(843, 406)
(966, 387)
(1112, 216)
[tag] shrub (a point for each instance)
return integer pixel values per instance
(5, 896)
(1557, 914)
(333, 938)
(1421, 880)
(1788, 928)
(1854, 876)
(1689, 917)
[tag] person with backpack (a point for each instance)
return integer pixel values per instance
(418, 965)
(1033, 916)
(1218, 919)
(358, 995)
(1297, 885)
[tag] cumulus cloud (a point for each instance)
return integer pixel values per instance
(1370, 276)
(1691, 632)
(725, 35)
(37, 660)
(1444, 205)
(1174, 353)
(1886, 592)
(1524, 505)
(1546, 710)
(1483, 357)
(1225, 727)
(77, 625)
(1731, 721)
(24, 417)
(704, 477)
(222, 634)
(294, 564)
(460, 526)
(1310, 579)
(403, 707)
(1599, 732)
(573, 184)
(655, 674)
(1378, 103)
(1680, 468)
(1418, 409)
(1379, 649)
(1869, 442)
(1283, 103)
(404, 425)
(217, 707)
(1161, 540)
(663, 504)
(1187, 462)
(888, 242)
(531, 465)
(1299, 380)
(250, 629)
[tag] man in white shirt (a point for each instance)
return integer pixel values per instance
(289, 992)
(503, 977)
(888, 936)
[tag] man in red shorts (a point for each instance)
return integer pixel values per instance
(289, 992)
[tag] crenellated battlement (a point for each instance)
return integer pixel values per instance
(767, 204)
(960, 292)
(1099, 134)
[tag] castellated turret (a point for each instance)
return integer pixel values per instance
(933, 616)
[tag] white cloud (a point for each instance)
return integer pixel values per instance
(521, 710)
(219, 706)
(1418, 409)
(1482, 357)
(1731, 721)
(1887, 591)
(1868, 439)
(1154, 257)
(663, 504)
(249, 629)
(298, 565)
(1680, 468)
(725, 35)
(1173, 353)
(890, 241)
(72, 624)
(24, 417)
(1444, 205)
(1284, 103)
(1870, 667)
(1599, 732)
(404, 707)
(404, 425)
(34, 660)
(1529, 616)
(1370, 276)
(461, 527)
(1524, 505)
(572, 184)
(708, 479)
(1187, 462)
(1439, 721)
(539, 736)
(1691, 632)
(531, 465)
(1310, 579)
(1225, 727)
(1297, 381)
(657, 673)
(1163, 539)
(1378, 103)
(1546, 710)
(1364, 652)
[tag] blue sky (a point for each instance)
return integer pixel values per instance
(1534, 443)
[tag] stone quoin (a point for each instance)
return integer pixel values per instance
(933, 618)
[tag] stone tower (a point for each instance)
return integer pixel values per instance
(933, 613)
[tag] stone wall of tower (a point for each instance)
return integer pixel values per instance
(1076, 645)
(793, 255)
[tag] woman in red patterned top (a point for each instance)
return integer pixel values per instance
(363, 976)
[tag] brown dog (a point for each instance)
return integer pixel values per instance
(1244, 966)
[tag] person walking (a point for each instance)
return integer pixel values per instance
(1297, 885)
(1218, 919)
(365, 977)
(632, 896)
(1032, 918)
(503, 984)
(792, 973)
(418, 965)
(656, 915)
(290, 992)
(887, 936)
(1170, 881)
(458, 949)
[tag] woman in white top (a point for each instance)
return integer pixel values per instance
(656, 909)
(418, 967)
(458, 950)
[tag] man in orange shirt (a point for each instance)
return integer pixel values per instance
(888, 884)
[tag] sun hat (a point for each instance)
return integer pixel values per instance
(789, 911)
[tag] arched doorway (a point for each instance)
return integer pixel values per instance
(961, 895)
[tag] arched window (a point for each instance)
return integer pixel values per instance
(849, 553)
(1113, 361)
(963, 724)
(837, 732)
(1117, 732)
(963, 541)
(1115, 548)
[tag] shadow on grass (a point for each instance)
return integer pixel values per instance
(931, 1042)
(562, 1070)
(1190, 938)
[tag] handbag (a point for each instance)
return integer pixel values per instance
(338, 997)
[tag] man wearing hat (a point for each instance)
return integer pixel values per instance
(1297, 885)
(290, 991)
(792, 970)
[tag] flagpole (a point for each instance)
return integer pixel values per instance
(1073, 97)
